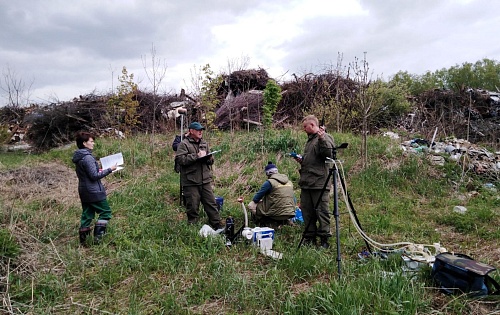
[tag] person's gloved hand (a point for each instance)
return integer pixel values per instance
(252, 206)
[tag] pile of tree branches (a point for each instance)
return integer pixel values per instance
(470, 114)
(319, 94)
(53, 125)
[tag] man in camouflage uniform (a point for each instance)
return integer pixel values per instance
(274, 203)
(196, 176)
(313, 175)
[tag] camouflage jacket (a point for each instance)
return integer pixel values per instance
(194, 170)
(314, 170)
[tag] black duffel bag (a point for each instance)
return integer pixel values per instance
(459, 273)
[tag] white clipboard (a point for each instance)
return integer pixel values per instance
(111, 160)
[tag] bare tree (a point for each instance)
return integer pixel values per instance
(366, 98)
(238, 64)
(155, 74)
(16, 90)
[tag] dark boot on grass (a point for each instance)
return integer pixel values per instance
(99, 230)
(83, 234)
(310, 241)
(324, 242)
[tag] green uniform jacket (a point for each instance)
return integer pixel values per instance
(314, 170)
(194, 170)
(279, 202)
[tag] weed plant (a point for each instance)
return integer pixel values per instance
(153, 262)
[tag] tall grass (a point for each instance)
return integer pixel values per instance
(153, 262)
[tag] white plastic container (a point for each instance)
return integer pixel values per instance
(259, 233)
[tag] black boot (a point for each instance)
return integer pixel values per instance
(84, 232)
(310, 241)
(99, 230)
(324, 242)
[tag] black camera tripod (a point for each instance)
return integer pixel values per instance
(333, 173)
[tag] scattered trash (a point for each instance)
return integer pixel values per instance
(412, 265)
(206, 230)
(473, 157)
(460, 209)
(491, 187)
(298, 216)
(364, 255)
(391, 135)
(437, 160)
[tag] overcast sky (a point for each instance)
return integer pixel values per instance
(72, 48)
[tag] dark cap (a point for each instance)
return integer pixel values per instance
(270, 168)
(196, 126)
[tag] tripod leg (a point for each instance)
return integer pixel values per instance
(337, 221)
(181, 194)
(342, 182)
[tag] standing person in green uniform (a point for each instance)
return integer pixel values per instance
(196, 176)
(313, 175)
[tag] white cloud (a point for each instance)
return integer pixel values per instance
(74, 49)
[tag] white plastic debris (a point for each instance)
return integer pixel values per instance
(460, 209)
(206, 230)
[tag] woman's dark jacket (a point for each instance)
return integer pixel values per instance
(90, 187)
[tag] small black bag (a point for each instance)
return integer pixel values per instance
(458, 273)
(175, 144)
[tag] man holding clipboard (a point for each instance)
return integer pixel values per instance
(196, 160)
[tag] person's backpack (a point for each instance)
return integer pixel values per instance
(175, 144)
(459, 273)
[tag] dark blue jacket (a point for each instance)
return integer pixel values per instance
(90, 187)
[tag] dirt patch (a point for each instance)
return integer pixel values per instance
(52, 180)
(481, 250)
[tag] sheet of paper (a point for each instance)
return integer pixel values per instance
(209, 154)
(213, 152)
(110, 160)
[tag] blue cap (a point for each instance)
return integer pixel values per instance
(196, 126)
(270, 168)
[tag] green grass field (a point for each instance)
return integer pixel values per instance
(152, 262)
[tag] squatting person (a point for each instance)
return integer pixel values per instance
(274, 203)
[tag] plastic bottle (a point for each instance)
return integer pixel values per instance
(229, 227)
(220, 203)
(298, 216)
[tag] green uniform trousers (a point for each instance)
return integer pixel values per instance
(201, 194)
(91, 208)
(308, 200)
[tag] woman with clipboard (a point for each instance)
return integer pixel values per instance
(90, 189)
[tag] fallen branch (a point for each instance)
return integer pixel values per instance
(252, 122)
